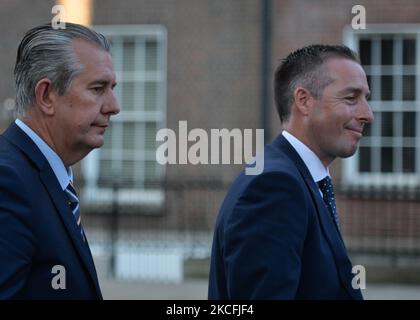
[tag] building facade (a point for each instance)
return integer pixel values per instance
(211, 64)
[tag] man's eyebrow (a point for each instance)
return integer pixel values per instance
(353, 90)
(103, 83)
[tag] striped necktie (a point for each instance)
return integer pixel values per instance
(73, 202)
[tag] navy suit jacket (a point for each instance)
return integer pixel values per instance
(275, 238)
(37, 229)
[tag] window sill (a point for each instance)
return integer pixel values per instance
(95, 197)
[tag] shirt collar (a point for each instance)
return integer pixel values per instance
(63, 174)
(316, 168)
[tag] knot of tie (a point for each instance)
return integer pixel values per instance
(327, 189)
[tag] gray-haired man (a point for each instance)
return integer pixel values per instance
(64, 101)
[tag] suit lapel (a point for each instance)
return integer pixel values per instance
(58, 197)
(328, 226)
(16, 136)
(333, 237)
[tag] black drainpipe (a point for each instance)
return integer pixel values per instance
(265, 66)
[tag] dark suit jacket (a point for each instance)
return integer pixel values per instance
(37, 228)
(275, 239)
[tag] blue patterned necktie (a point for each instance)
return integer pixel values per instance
(73, 202)
(326, 187)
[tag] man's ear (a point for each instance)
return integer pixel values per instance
(303, 100)
(44, 96)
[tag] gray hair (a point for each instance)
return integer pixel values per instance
(45, 52)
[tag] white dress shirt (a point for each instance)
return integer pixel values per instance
(316, 168)
(64, 175)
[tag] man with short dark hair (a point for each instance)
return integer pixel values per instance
(278, 234)
(64, 101)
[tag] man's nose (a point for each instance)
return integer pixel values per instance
(365, 113)
(111, 105)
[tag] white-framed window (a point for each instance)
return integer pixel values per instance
(128, 157)
(389, 152)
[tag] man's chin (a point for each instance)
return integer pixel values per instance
(348, 153)
(97, 142)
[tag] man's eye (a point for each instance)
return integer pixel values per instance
(351, 99)
(97, 89)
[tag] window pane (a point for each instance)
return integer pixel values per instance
(377, 152)
(409, 124)
(150, 170)
(387, 128)
(150, 89)
(151, 136)
(364, 159)
(409, 52)
(367, 130)
(108, 138)
(128, 173)
(386, 159)
(129, 136)
(105, 173)
(151, 55)
(408, 159)
(128, 54)
(365, 51)
(387, 52)
(386, 88)
(409, 84)
(127, 96)
(374, 83)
